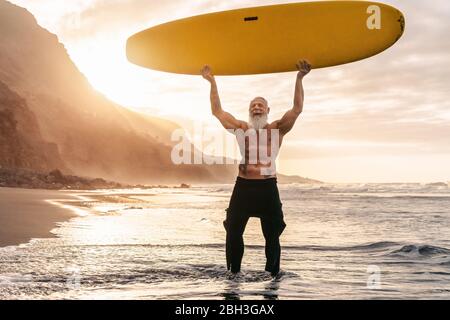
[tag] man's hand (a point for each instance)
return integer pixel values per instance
(304, 67)
(207, 73)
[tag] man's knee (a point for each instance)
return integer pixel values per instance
(281, 228)
(235, 223)
(273, 230)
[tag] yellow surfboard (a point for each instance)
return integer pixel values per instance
(269, 39)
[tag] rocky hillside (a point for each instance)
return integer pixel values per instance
(21, 143)
(74, 128)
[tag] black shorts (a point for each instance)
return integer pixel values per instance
(256, 198)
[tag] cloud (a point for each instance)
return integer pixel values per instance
(394, 104)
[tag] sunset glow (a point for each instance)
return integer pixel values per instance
(384, 119)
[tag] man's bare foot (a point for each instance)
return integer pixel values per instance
(233, 275)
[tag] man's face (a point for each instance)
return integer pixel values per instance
(258, 107)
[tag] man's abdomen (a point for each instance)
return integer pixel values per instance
(256, 171)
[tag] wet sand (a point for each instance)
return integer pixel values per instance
(28, 214)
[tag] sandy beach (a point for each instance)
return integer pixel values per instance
(27, 214)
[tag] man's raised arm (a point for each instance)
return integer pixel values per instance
(287, 122)
(227, 120)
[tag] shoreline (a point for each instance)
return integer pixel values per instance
(26, 214)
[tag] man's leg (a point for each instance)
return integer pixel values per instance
(272, 227)
(235, 226)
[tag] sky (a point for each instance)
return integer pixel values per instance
(383, 119)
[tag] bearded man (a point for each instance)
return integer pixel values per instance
(255, 193)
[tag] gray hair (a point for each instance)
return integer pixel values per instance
(261, 98)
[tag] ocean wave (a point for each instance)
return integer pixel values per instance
(387, 248)
(361, 247)
(181, 272)
(440, 188)
(382, 245)
(376, 197)
(10, 278)
(220, 190)
(445, 263)
(420, 251)
(8, 249)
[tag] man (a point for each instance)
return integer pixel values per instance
(256, 192)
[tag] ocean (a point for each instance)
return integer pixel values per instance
(345, 241)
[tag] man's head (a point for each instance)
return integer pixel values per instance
(258, 113)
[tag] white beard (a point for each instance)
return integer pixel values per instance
(258, 122)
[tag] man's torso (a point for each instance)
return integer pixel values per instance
(265, 142)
